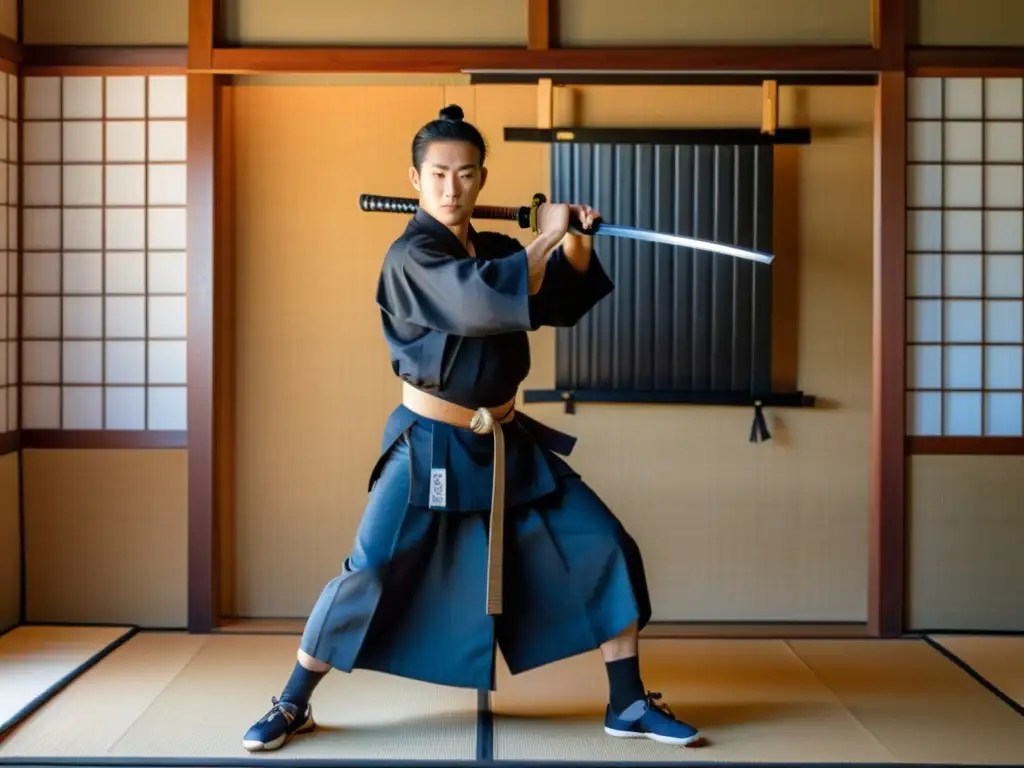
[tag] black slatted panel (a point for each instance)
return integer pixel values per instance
(679, 319)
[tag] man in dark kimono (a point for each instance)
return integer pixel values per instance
(438, 573)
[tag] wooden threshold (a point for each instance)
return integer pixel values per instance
(723, 630)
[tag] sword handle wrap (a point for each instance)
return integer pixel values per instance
(387, 204)
(522, 215)
(525, 216)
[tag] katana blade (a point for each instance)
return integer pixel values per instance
(525, 216)
(662, 238)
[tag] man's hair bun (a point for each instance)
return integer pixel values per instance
(452, 112)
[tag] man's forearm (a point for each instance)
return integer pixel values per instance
(578, 250)
(537, 253)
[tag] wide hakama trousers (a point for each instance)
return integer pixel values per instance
(410, 598)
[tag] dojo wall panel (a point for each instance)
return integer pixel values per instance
(315, 386)
(106, 536)
(104, 294)
(974, 23)
(105, 22)
(10, 542)
(9, 18)
(965, 269)
(383, 22)
(966, 523)
(730, 22)
(730, 530)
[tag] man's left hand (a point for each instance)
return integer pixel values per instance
(578, 248)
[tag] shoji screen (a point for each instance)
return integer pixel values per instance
(104, 316)
(965, 238)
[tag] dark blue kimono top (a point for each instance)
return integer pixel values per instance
(456, 326)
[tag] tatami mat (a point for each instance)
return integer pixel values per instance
(34, 659)
(788, 702)
(754, 699)
(91, 716)
(916, 702)
(174, 695)
(209, 695)
(999, 659)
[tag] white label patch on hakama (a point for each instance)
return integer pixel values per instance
(438, 487)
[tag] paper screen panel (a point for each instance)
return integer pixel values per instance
(965, 239)
(104, 324)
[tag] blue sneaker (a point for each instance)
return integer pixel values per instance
(277, 726)
(644, 719)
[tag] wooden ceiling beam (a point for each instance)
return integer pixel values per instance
(550, 60)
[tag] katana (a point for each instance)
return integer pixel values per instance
(526, 217)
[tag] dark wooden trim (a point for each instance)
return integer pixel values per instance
(10, 50)
(203, 201)
(541, 23)
(175, 57)
(700, 58)
(224, 346)
(730, 136)
(815, 61)
(74, 439)
(892, 21)
(97, 71)
(203, 600)
(887, 517)
(10, 442)
(965, 446)
(965, 62)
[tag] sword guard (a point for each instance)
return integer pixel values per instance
(538, 200)
(575, 225)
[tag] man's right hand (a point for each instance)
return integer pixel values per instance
(553, 221)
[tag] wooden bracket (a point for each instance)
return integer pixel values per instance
(769, 106)
(545, 103)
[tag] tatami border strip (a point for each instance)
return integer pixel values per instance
(42, 699)
(978, 677)
(252, 762)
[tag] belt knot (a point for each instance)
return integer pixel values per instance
(482, 422)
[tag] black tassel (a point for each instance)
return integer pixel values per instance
(570, 402)
(759, 429)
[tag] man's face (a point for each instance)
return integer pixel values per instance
(449, 181)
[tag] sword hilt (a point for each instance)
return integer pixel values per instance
(525, 215)
(576, 226)
(383, 203)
